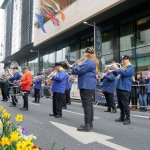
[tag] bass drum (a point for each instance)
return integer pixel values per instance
(15, 90)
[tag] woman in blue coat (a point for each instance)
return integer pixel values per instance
(86, 83)
(108, 88)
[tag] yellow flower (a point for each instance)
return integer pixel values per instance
(29, 143)
(6, 115)
(14, 136)
(19, 118)
(21, 145)
(4, 141)
(1, 108)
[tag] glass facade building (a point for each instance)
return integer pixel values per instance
(125, 32)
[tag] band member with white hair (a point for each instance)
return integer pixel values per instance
(108, 88)
(58, 89)
(16, 77)
(123, 87)
(25, 84)
(86, 72)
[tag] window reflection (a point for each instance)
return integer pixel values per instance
(143, 32)
(107, 43)
(127, 37)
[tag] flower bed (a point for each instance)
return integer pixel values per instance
(12, 135)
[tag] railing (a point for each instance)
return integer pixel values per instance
(139, 98)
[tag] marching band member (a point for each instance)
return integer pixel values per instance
(87, 83)
(4, 87)
(16, 77)
(108, 88)
(37, 88)
(123, 87)
(25, 84)
(58, 89)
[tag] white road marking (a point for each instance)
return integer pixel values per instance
(77, 113)
(38, 122)
(88, 137)
(146, 117)
(33, 103)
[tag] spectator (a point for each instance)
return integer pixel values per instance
(142, 93)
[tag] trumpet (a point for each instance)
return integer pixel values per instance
(79, 61)
(51, 74)
(111, 65)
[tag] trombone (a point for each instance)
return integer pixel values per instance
(77, 62)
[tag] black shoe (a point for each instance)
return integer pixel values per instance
(58, 116)
(16, 101)
(23, 109)
(91, 125)
(85, 128)
(2, 100)
(114, 111)
(51, 115)
(12, 105)
(126, 122)
(107, 110)
(64, 107)
(120, 119)
(68, 103)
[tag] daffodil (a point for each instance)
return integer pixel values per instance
(19, 118)
(4, 141)
(14, 136)
(1, 108)
(21, 145)
(6, 115)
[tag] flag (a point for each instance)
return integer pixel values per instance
(62, 15)
(50, 16)
(50, 6)
(40, 21)
(58, 7)
(56, 4)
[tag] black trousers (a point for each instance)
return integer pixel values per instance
(110, 100)
(58, 99)
(4, 93)
(37, 95)
(25, 99)
(67, 93)
(13, 100)
(87, 103)
(13, 97)
(123, 102)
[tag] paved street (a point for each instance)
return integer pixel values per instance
(106, 134)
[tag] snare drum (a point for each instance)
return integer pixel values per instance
(15, 90)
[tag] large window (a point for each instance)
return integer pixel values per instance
(143, 63)
(33, 65)
(127, 37)
(143, 36)
(107, 43)
(89, 42)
